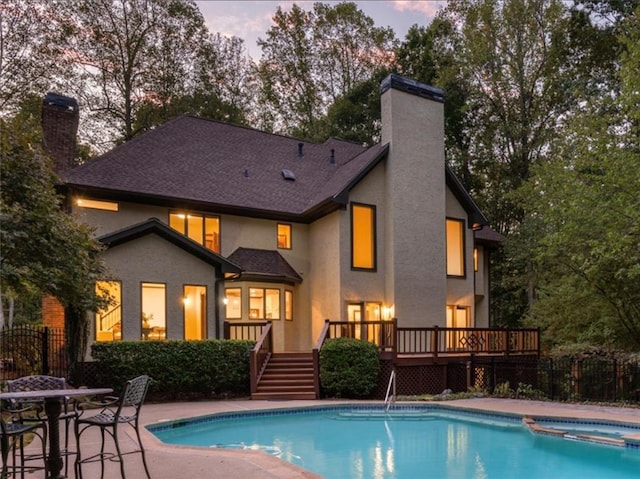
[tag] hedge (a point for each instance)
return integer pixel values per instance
(179, 369)
(349, 368)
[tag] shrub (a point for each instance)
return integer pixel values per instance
(178, 368)
(349, 368)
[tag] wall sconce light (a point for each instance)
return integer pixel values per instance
(225, 301)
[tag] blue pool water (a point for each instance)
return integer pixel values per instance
(347, 443)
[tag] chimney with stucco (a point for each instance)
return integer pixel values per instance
(60, 116)
(413, 125)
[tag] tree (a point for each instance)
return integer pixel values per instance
(310, 59)
(135, 52)
(584, 212)
(32, 59)
(520, 72)
(44, 250)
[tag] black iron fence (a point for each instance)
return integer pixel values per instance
(566, 379)
(26, 350)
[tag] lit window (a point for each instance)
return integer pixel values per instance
(284, 236)
(97, 205)
(109, 318)
(455, 247)
(195, 312)
(233, 300)
(363, 237)
(458, 317)
(475, 259)
(204, 230)
(264, 303)
(288, 305)
(154, 311)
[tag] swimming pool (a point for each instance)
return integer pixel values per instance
(363, 442)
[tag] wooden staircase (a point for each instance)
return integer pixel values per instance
(287, 376)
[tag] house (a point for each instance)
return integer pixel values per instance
(207, 223)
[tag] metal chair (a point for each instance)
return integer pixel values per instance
(41, 383)
(113, 412)
(13, 428)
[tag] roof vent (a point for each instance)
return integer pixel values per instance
(300, 153)
(333, 156)
(246, 173)
(288, 175)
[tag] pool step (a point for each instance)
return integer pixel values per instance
(287, 376)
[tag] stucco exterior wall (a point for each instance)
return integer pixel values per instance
(461, 291)
(128, 214)
(324, 275)
(152, 259)
(415, 208)
(356, 285)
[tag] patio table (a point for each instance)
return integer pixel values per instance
(53, 399)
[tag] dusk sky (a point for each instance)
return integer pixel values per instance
(250, 20)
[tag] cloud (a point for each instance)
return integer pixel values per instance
(426, 7)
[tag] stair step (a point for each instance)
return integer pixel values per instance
(283, 396)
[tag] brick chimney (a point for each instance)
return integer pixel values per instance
(60, 116)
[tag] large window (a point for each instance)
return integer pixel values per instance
(264, 303)
(455, 247)
(284, 236)
(363, 237)
(195, 312)
(201, 229)
(233, 303)
(109, 318)
(458, 317)
(154, 311)
(288, 305)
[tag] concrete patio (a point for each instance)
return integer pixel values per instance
(180, 462)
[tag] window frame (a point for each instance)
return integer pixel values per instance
(288, 236)
(164, 285)
(461, 252)
(288, 305)
(261, 314)
(110, 308)
(226, 308)
(203, 314)
(191, 215)
(373, 233)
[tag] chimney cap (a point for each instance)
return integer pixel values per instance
(60, 101)
(412, 87)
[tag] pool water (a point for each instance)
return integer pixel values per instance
(352, 444)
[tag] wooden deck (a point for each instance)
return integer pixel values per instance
(401, 346)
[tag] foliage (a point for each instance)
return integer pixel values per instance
(32, 40)
(44, 250)
(310, 59)
(178, 368)
(349, 367)
(584, 211)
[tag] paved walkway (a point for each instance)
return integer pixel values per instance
(181, 462)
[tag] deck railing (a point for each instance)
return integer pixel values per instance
(244, 330)
(437, 341)
(260, 355)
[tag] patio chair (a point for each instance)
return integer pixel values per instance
(13, 429)
(42, 383)
(114, 411)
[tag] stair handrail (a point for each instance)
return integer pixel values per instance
(389, 399)
(260, 355)
(324, 334)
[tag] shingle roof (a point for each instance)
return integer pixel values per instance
(261, 264)
(191, 159)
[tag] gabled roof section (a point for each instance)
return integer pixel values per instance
(477, 219)
(488, 237)
(264, 265)
(155, 226)
(213, 165)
